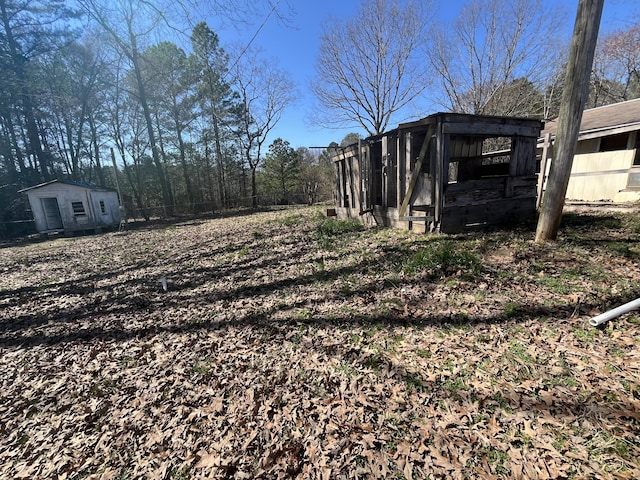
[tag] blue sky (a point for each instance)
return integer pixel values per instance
(294, 49)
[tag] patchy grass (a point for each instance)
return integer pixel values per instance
(332, 227)
(289, 345)
(442, 258)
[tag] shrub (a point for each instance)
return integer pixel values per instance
(444, 258)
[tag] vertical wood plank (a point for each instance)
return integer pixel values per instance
(399, 162)
(542, 177)
(385, 171)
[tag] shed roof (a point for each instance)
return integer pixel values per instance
(609, 119)
(471, 124)
(89, 186)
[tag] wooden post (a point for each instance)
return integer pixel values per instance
(416, 172)
(546, 147)
(385, 172)
(574, 97)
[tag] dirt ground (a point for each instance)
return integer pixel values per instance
(289, 345)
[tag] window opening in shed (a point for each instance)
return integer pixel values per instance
(475, 157)
(636, 159)
(78, 208)
(343, 183)
(103, 207)
(496, 155)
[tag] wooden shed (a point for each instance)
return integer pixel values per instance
(69, 207)
(606, 166)
(447, 172)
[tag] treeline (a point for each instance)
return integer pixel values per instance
(184, 132)
(90, 93)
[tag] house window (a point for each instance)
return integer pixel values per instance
(103, 207)
(612, 143)
(633, 181)
(78, 208)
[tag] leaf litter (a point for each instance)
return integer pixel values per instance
(285, 348)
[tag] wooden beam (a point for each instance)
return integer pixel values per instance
(416, 171)
(574, 97)
(440, 173)
(491, 130)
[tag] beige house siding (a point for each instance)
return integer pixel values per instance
(606, 165)
(599, 176)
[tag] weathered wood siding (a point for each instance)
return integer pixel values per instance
(436, 173)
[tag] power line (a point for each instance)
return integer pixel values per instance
(255, 35)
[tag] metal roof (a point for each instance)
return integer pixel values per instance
(89, 186)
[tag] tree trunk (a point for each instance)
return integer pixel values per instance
(183, 162)
(210, 191)
(136, 191)
(574, 97)
(96, 151)
(254, 188)
(14, 142)
(219, 163)
(165, 163)
(135, 60)
(17, 61)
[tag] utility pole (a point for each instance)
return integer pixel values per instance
(574, 97)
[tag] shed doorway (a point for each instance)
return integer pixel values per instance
(52, 213)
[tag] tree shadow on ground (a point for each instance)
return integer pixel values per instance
(97, 312)
(108, 323)
(590, 222)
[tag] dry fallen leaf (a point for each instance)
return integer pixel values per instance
(279, 355)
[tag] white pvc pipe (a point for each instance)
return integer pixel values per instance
(616, 312)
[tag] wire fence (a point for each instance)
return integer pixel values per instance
(24, 227)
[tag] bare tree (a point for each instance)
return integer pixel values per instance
(491, 45)
(27, 31)
(265, 92)
(616, 69)
(230, 13)
(127, 24)
(369, 67)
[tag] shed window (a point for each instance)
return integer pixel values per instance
(636, 159)
(474, 157)
(78, 208)
(103, 207)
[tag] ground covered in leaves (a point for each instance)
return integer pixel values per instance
(289, 345)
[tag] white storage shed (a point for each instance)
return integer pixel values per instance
(68, 207)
